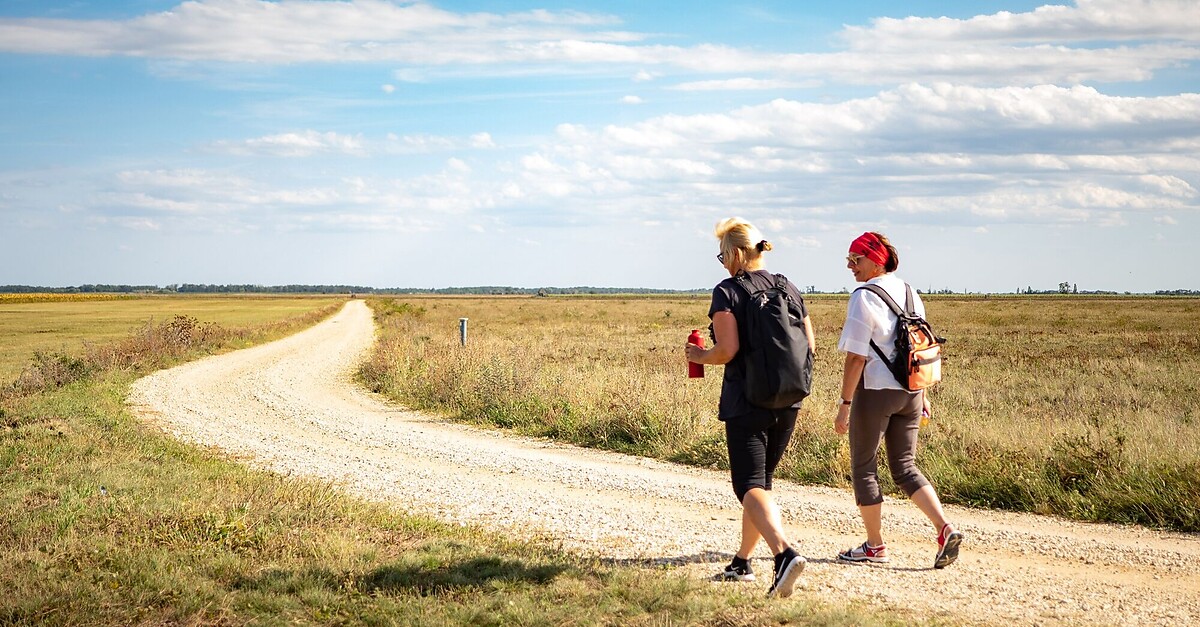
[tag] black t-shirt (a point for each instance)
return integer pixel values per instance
(731, 297)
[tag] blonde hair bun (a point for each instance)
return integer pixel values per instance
(738, 234)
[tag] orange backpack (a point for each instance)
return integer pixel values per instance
(918, 363)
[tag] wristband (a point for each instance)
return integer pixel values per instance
(845, 402)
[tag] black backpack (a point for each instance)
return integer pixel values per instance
(777, 357)
(918, 363)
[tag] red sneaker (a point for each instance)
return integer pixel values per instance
(948, 542)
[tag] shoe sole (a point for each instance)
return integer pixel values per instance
(949, 551)
(724, 577)
(783, 588)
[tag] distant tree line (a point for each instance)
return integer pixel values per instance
(185, 288)
(532, 291)
(197, 288)
(493, 290)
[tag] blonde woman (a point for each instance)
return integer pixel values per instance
(756, 438)
(875, 409)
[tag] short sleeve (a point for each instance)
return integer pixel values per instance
(722, 300)
(856, 334)
(918, 304)
(794, 292)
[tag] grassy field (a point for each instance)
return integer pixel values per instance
(64, 323)
(106, 521)
(1076, 406)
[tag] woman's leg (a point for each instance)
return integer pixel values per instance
(750, 535)
(867, 424)
(901, 439)
(754, 451)
(747, 458)
(764, 517)
(926, 500)
(872, 517)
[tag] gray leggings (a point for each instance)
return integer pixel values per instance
(893, 417)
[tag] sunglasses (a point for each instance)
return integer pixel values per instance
(721, 258)
(854, 259)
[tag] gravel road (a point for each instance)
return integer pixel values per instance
(291, 407)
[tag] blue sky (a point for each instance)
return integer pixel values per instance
(413, 144)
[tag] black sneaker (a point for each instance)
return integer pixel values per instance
(788, 566)
(737, 570)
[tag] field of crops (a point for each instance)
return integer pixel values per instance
(65, 323)
(1078, 406)
(38, 297)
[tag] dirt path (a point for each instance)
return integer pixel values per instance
(290, 406)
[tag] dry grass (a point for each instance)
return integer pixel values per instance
(1078, 406)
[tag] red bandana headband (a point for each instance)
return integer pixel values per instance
(869, 246)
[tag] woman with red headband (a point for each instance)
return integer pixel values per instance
(876, 409)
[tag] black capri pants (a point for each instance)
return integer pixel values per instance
(755, 449)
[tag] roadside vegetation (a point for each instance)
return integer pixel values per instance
(108, 521)
(1077, 406)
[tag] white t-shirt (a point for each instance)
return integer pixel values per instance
(869, 318)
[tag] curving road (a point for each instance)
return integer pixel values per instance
(291, 407)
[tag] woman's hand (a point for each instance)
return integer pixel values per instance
(926, 408)
(694, 353)
(841, 424)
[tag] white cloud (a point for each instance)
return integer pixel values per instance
(304, 31)
(419, 143)
(410, 75)
(302, 144)
(311, 143)
(482, 140)
(917, 154)
(1096, 40)
(387, 88)
(634, 100)
(1088, 20)
(180, 179)
(1168, 185)
(158, 203)
(964, 154)
(743, 84)
(139, 224)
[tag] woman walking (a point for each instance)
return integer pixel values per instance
(875, 407)
(756, 437)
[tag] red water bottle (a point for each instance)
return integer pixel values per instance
(696, 370)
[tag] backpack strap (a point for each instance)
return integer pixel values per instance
(781, 283)
(887, 298)
(743, 279)
(891, 303)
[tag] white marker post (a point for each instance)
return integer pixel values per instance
(462, 331)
